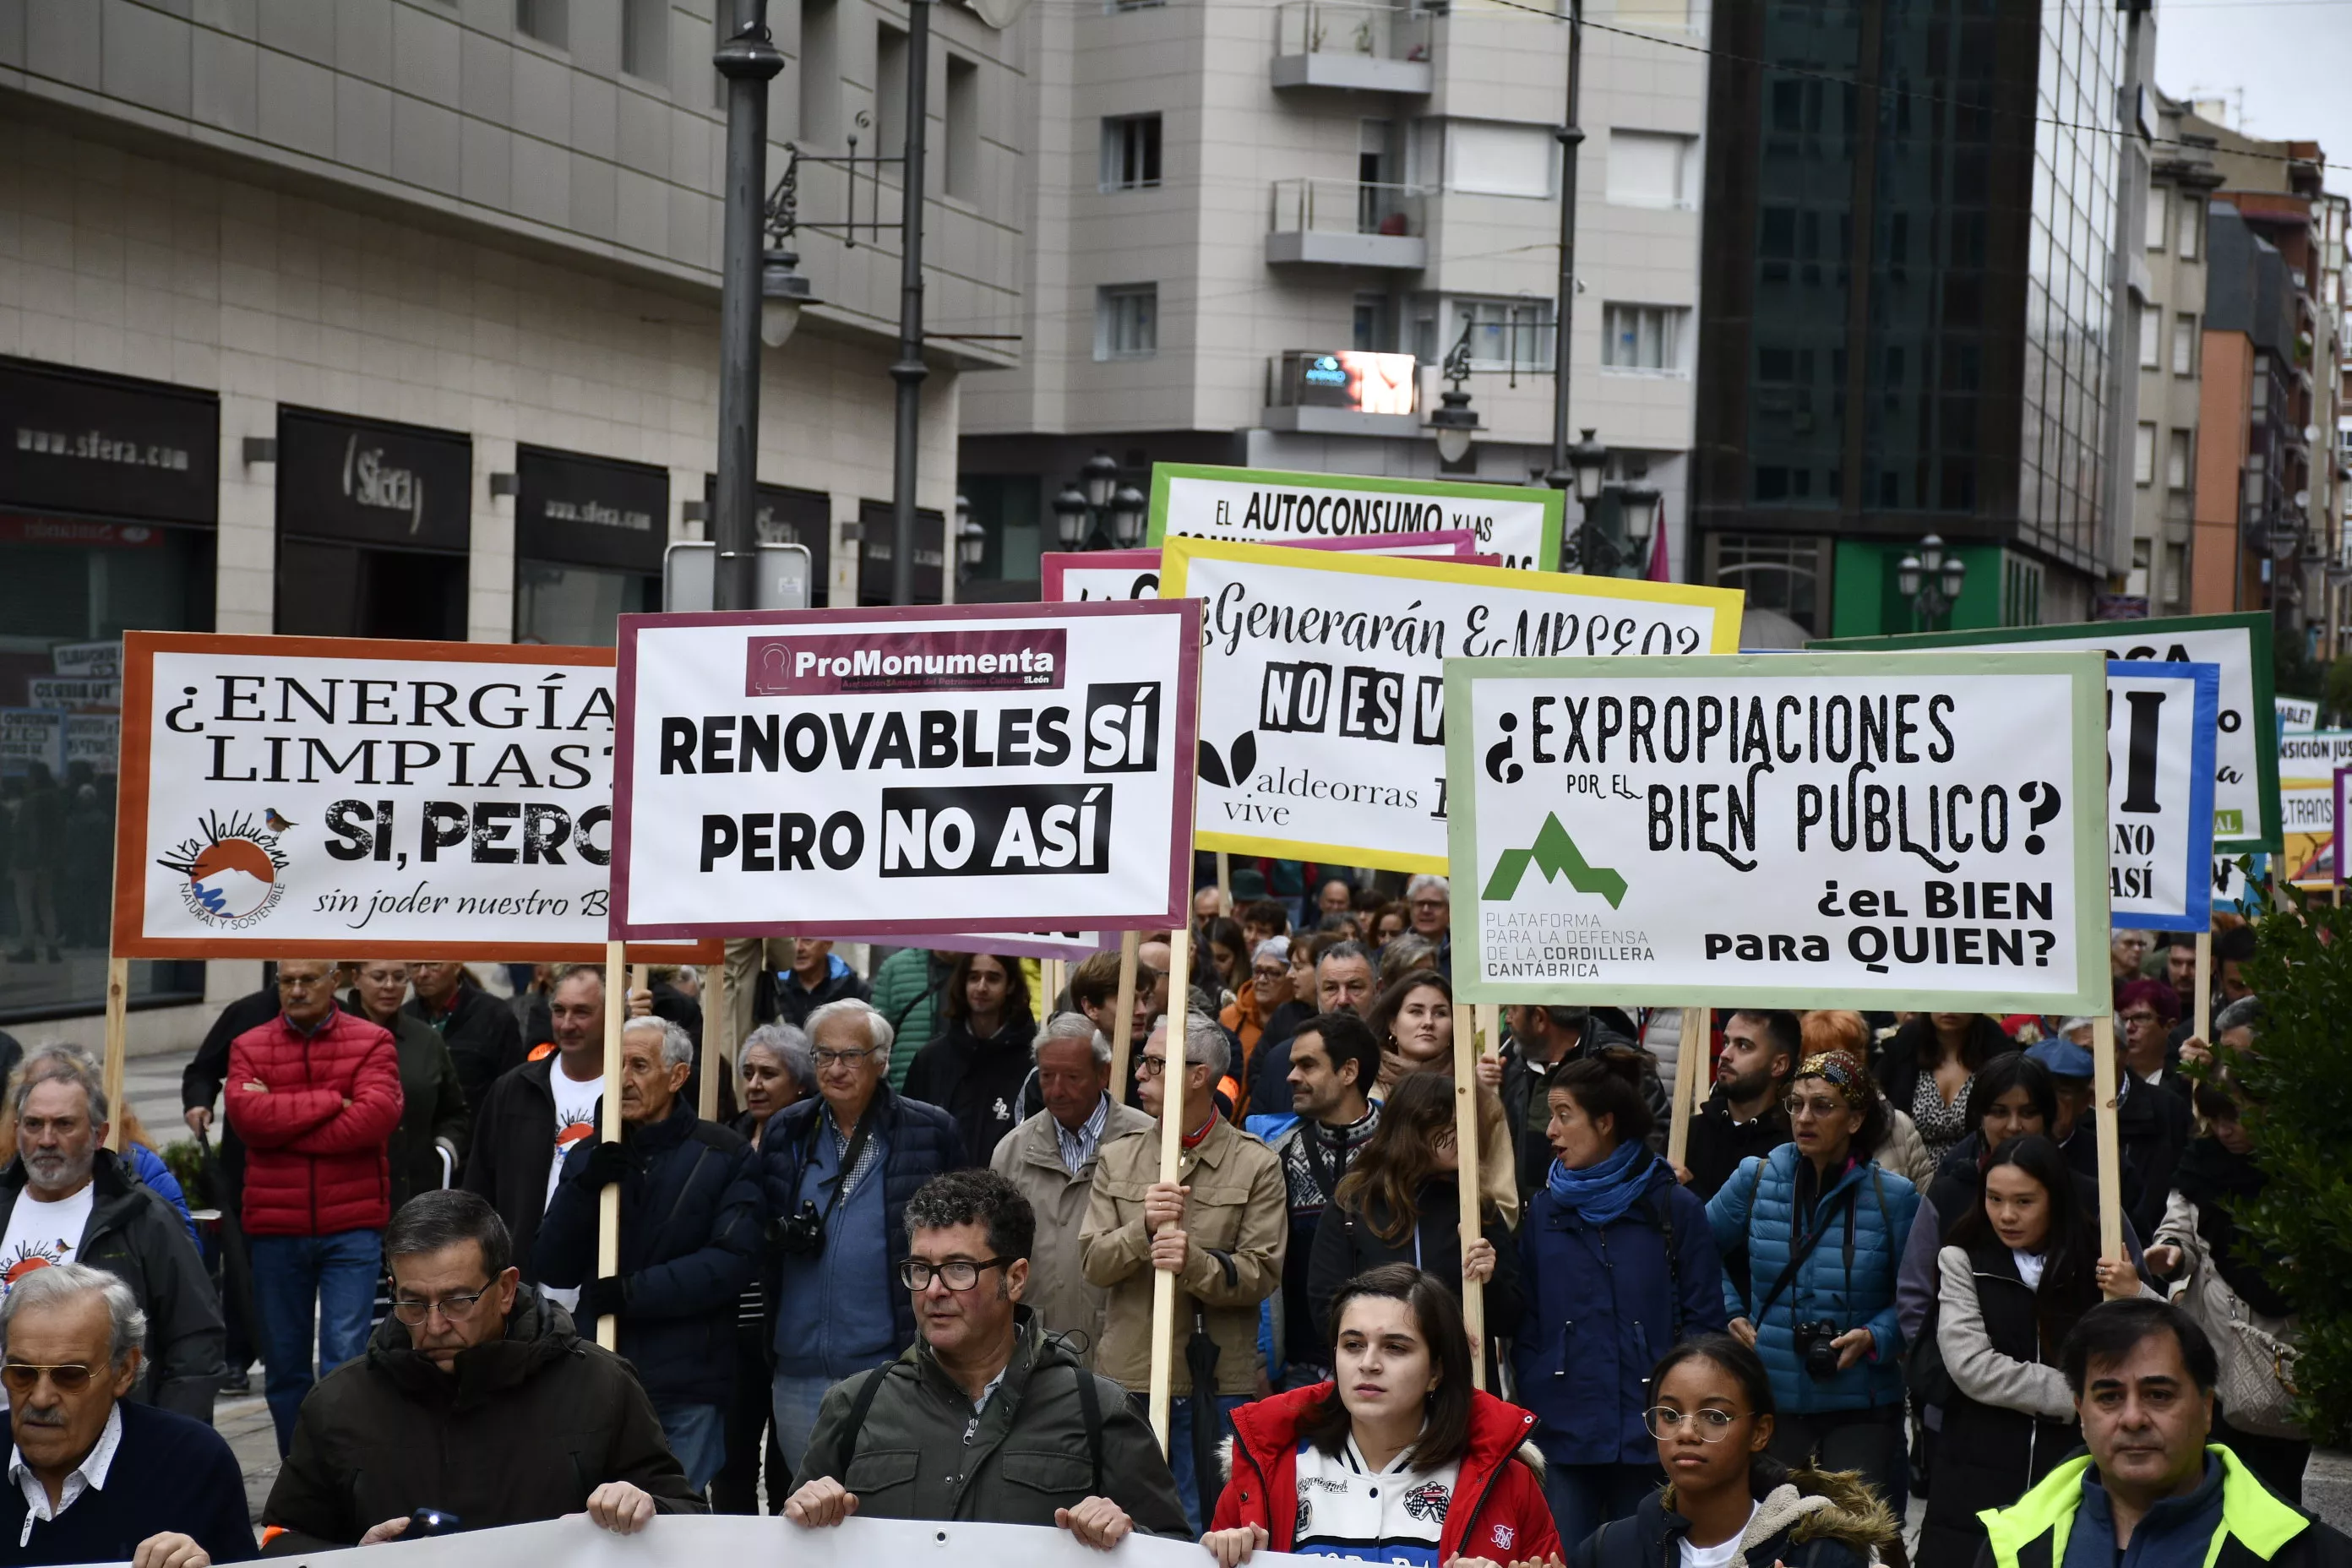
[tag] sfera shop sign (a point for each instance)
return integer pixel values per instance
(371, 479)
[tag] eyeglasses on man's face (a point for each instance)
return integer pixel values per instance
(838, 1059)
(1665, 1422)
(20, 1378)
(1148, 1066)
(956, 1273)
(453, 1308)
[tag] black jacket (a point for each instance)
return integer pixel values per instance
(432, 1108)
(484, 1040)
(514, 1150)
(976, 1081)
(780, 998)
(690, 1225)
(1347, 1242)
(1718, 1142)
(169, 1473)
(201, 1080)
(2152, 1130)
(137, 1235)
(1988, 1456)
(520, 1429)
(923, 1142)
(1804, 1518)
(919, 1452)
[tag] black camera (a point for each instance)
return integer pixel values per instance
(1817, 1348)
(802, 1234)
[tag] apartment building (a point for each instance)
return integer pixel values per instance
(2168, 358)
(1256, 232)
(399, 318)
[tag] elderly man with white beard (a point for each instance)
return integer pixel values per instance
(66, 1199)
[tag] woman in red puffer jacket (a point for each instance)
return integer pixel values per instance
(1397, 1459)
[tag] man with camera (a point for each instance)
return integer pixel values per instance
(987, 1417)
(477, 1404)
(838, 1171)
(690, 1214)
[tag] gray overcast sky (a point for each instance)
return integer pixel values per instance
(2289, 57)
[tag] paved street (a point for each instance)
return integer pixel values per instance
(245, 1422)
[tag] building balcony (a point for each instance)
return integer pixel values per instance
(1343, 391)
(1352, 45)
(1347, 223)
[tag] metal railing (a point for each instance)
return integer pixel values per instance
(1351, 27)
(1345, 206)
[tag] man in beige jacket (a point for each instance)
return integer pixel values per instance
(1220, 1229)
(1051, 1160)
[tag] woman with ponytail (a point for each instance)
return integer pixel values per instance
(1618, 1265)
(1726, 1502)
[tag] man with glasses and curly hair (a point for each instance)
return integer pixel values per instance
(986, 1417)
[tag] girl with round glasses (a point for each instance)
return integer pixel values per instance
(1726, 1502)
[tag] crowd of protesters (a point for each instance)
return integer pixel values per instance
(909, 1271)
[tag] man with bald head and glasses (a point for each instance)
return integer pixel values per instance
(986, 1416)
(96, 1476)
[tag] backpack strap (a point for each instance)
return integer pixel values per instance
(1661, 1213)
(1090, 1409)
(859, 1407)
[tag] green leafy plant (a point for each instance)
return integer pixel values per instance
(181, 1156)
(2297, 1103)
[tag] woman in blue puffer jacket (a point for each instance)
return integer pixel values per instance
(1824, 1230)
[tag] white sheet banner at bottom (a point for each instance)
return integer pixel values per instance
(698, 1541)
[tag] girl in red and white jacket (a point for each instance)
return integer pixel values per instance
(1397, 1459)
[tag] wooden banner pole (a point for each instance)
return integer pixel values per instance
(1053, 974)
(118, 1044)
(2203, 1003)
(2102, 1105)
(1173, 1114)
(1690, 1059)
(608, 1202)
(1225, 883)
(1467, 1045)
(1122, 1023)
(718, 1036)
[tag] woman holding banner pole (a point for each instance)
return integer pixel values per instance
(1619, 1265)
(1823, 1227)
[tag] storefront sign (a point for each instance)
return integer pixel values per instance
(326, 795)
(959, 769)
(1354, 379)
(590, 511)
(1264, 507)
(77, 441)
(2245, 752)
(1075, 576)
(367, 482)
(1792, 831)
(1322, 691)
(2160, 734)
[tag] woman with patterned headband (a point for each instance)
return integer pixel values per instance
(1824, 1227)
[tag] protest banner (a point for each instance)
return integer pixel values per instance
(2296, 715)
(1322, 697)
(958, 769)
(2160, 728)
(2341, 774)
(2245, 754)
(1264, 506)
(2314, 755)
(1065, 945)
(2307, 813)
(1805, 830)
(1076, 576)
(322, 797)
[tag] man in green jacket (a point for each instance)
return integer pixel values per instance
(986, 1417)
(2151, 1492)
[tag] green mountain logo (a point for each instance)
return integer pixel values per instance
(1556, 856)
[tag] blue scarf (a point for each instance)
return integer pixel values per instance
(1601, 1194)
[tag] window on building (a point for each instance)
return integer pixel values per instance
(1786, 574)
(645, 38)
(1641, 337)
(2151, 324)
(889, 90)
(2193, 222)
(2178, 465)
(1652, 169)
(960, 170)
(1127, 322)
(2144, 456)
(545, 20)
(820, 68)
(2184, 344)
(1487, 158)
(2176, 573)
(1372, 323)
(1131, 151)
(2259, 393)
(2158, 213)
(1506, 334)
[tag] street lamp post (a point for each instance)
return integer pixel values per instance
(749, 60)
(908, 370)
(1571, 137)
(1096, 505)
(1930, 580)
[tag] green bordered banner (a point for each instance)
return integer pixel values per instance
(1800, 830)
(1268, 506)
(2246, 749)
